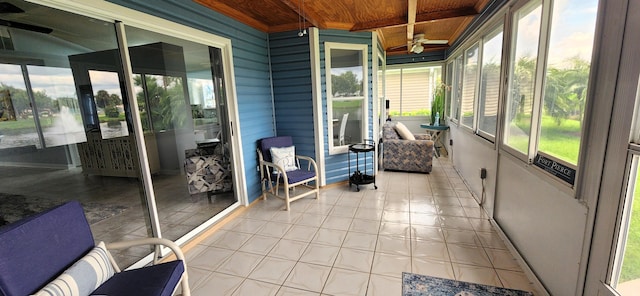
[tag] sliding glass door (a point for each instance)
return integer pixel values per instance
(61, 98)
(74, 124)
(179, 89)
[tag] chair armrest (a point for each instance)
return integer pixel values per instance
(423, 137)
(154, 241)
(273, 165)
(401, 142)
(407, 145)
(277, 168)
(310, 160)
(149, 241)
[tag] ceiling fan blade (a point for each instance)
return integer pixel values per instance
(23, 26)
(6, 7)
(397, 47)
(441, 41)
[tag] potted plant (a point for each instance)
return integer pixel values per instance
(437, 104)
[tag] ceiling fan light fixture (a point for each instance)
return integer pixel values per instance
(417, 48)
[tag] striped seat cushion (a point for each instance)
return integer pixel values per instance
(83, 277)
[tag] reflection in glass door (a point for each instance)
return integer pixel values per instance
(179, 88)
(55, 113)
(17, 125)
(109, 104)
(66, 128)
(60, 117)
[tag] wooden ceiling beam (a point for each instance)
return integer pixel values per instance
(306, 13)
(234, 13)
(412, 7)
(420, 18)
(381, 38)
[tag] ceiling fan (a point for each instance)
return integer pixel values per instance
(8, 8)
(417, 46)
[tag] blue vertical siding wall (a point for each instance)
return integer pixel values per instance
(251, 68)
(337, 165)
(292, 89)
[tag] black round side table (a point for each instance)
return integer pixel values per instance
(368, 174)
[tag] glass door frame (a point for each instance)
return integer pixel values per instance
(120, 16)
(379, 81)
(606, 165)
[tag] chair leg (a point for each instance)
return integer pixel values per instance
(184, 286)
(264, 188)
(286, 198)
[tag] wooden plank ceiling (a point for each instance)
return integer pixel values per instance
(396, 21)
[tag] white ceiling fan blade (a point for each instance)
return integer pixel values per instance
(440, 41)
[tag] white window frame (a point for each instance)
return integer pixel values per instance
(488, 36)
(364, 127)
(403, 67)
(528, 157)
(538, 95)
(447, 76)
(476, 90)
(456, 87)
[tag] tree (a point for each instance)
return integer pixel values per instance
(165, 101)
(21, 102)
(102, 99)
(111, 111)
(115, 99)
(108, 102)
(19, 98)
(566, 90)
(345, 84)
(522, 90)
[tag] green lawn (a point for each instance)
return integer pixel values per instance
(561, 141)
(631, 260)
(21, 126)
(28, 125)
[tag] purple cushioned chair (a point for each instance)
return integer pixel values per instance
(36, 250)
(273, 175)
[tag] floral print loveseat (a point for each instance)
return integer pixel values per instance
(406, 155)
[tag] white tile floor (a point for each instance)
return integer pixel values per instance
(357, 243)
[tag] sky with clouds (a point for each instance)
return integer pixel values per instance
(572, 30)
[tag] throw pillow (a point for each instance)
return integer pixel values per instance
(284, 157)
(404, 132)
(83, 277)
